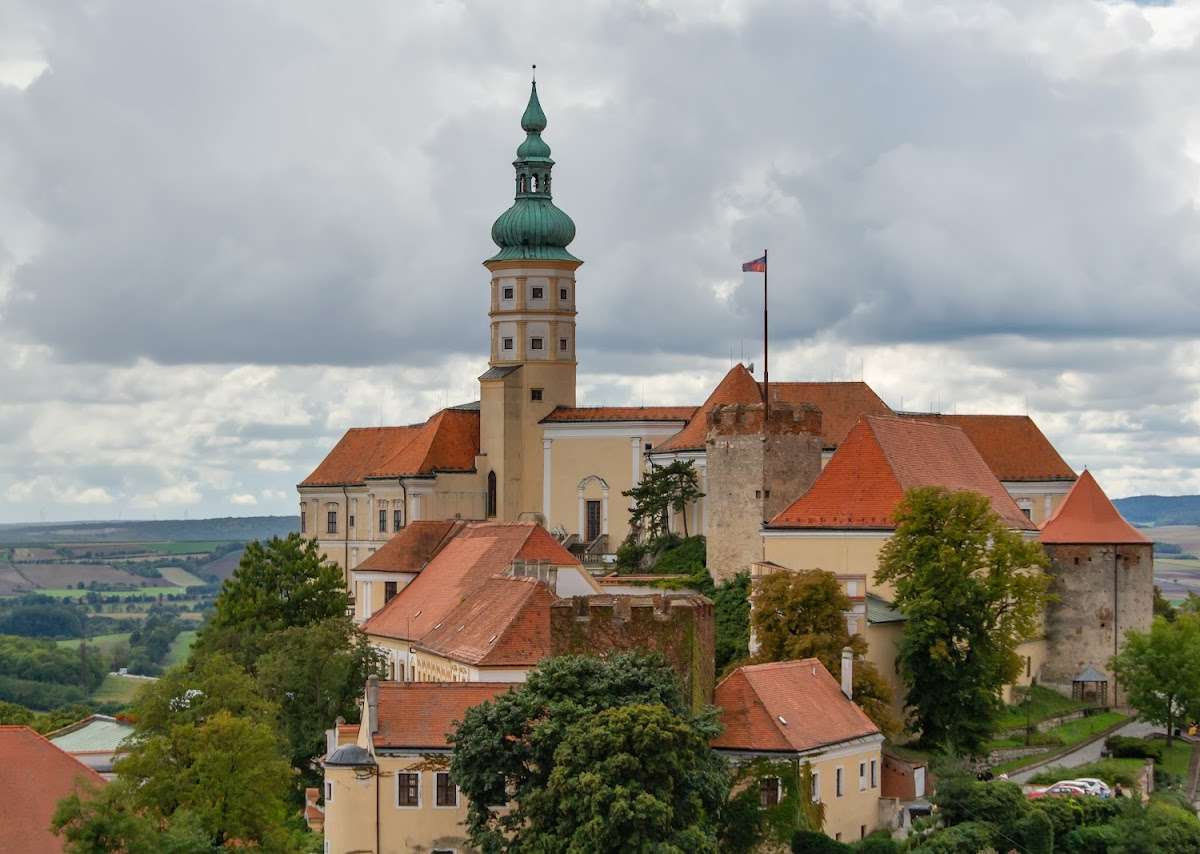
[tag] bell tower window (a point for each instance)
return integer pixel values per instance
(491, 494)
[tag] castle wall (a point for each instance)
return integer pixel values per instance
(1103, 591)
(757, 465)
(678, 626)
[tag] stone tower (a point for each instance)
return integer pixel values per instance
(758, 463)
(532, 315)
(1103, 576)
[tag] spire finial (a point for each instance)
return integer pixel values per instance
(535, 74)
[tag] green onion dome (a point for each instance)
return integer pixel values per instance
(533, 228)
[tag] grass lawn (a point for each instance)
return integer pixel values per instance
(70, 593)
(118, 689)
(1068, 735)
(179, 575)
(178, 652)
(1043, 703)
(1175, 761)
(107, 643)
(194, 547)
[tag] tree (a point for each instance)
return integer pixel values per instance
(1162, 606)
(280, 585)
(99, 821)
(506, 750)
(803, 615)
(637, 778)
(315, 674)
(1160, 670)
(661, 490)
(971, 592)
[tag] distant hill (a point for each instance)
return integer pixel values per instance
(1158, 510)
(232, 528)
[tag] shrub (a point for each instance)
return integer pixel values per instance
(1032, 833)
(970, 837)
(814, 842)
(879, 842)
(1124, 747)
(961, 799)
(682, 557)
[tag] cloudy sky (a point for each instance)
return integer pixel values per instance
(230, 230)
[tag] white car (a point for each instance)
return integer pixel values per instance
(1092, 786)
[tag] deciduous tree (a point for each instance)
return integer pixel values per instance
(1160, 670)
(661, 490)
(971, 591)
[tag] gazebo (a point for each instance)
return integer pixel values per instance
(1090, 686)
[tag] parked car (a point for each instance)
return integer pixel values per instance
(1061, 790)
(1095, 787)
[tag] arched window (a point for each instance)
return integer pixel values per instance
(534, 185)
(491, 495)
(522, 185)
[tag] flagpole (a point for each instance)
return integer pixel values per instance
(766, 370)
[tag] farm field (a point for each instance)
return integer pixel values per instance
(118, 689)
(106, 643)
(196, 547)
(181, 577)
(178, 652)
(59, 575)
(73, 593)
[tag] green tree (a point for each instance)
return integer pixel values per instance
(98, 821)
(506, 749)
(630, 778)
(315, 674)
(1162, 606)
(280, 585)
(1160, 670)
(661, 490)
(971, 591)
(803, 615)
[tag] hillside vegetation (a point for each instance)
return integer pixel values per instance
(1159, 510)
(230, 528)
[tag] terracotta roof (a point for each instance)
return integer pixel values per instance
(34, 776)
(880, 459)
(841, 404)
(480, 551)
(505, 622)
(1012, 445)
(448, 441)
(737, 386)
(786, 705)
(421, 714)
(415, 545)
(1087, 516)
(575, 414)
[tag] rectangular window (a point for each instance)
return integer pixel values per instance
(303, 522)
(447, 792)
(768, 792)
(397, 520)
(862, 776)
(350, 524)
(331, 522)
(862, 831)
(874, 774)
(816, 787)
(562, 344)
(508, 293)
(383, 521)
(562, 294)
(535, 394)
(539, 293)
(837, 782)
(535, 344)
(408, 790)
(1028, 511)
(507, 344)
(328, 791)
(389, 590)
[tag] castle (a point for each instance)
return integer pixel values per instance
(796, 475)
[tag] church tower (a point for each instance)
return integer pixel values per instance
(532, 316)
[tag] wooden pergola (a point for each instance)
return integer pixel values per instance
(1090, 686)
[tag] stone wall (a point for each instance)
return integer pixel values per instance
(680, 626)
(1103, 591)
(758, 464)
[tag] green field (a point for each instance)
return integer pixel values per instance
(179, 575)
(1043, 703)
(178, 652)
(106, 643)
(118, 689)
(195, 547)
(68, 593)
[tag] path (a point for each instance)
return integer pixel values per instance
(1089, 752)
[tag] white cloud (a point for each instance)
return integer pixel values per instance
(243, 500)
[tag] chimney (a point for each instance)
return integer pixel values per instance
(373, 704)
(331, 736)
(848, 672)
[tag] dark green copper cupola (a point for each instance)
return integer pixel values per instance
(533, 228)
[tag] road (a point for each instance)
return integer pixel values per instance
(1089, 752)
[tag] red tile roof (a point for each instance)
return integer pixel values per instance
(1012, 445)
(420, 715)
(448, 441)
(479, 552)
(881, 458)
(786, 706)
(737, 386)
(34, 776)
(415, 545)
(1087, 516)
(841, 404)
(575, 414)
(503, 623)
